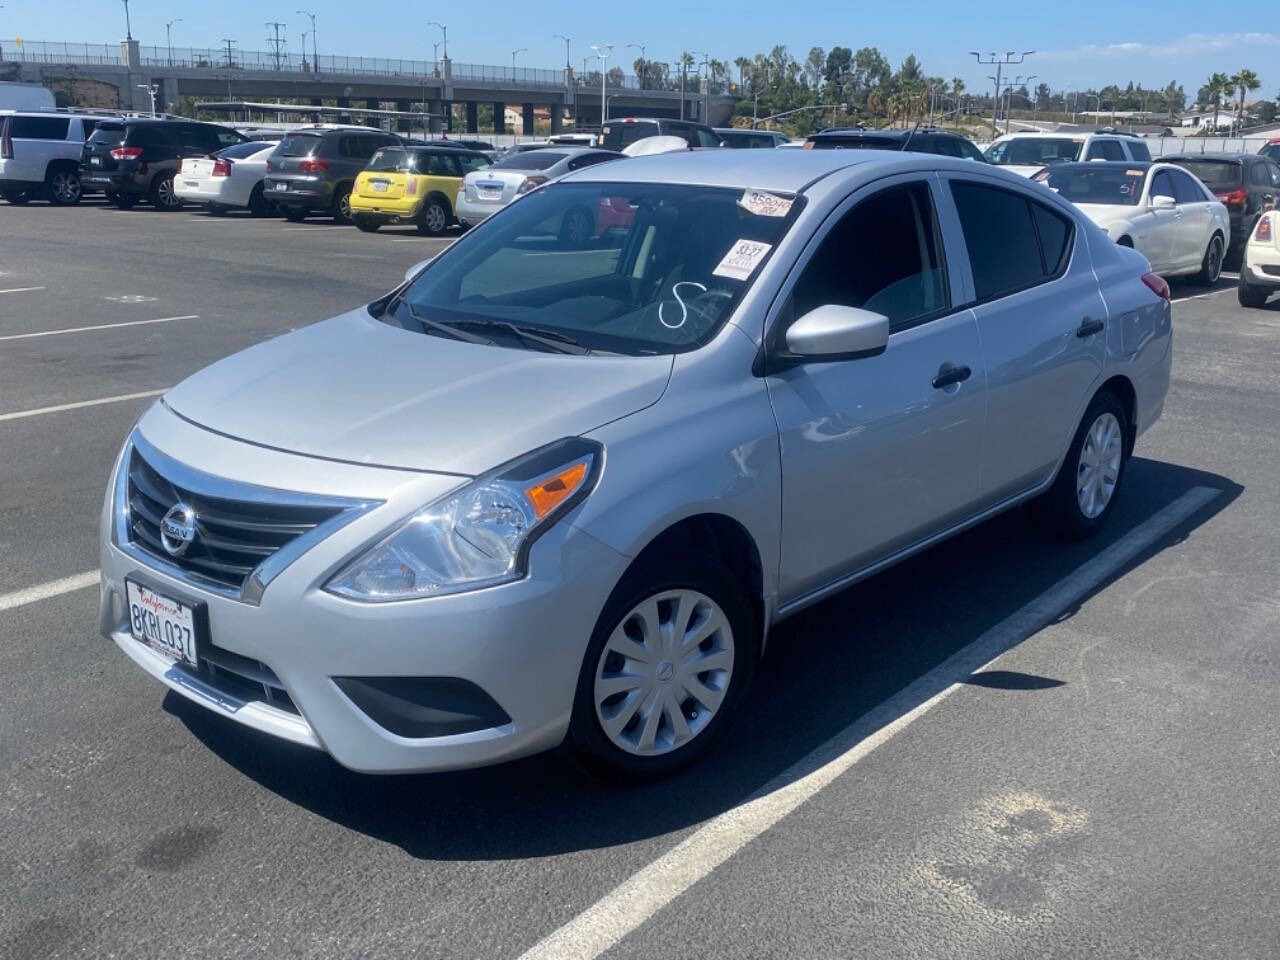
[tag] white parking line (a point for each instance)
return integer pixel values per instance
(41, 411)
(21, 289)
(43, 591)
(317, 229)
(96, 326)
(635, 900)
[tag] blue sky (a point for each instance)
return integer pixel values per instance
(1085, 42)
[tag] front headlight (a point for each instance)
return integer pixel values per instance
(478, 536)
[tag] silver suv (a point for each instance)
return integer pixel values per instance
(40, 155)
(549, 491)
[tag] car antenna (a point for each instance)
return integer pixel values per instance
(907, 142)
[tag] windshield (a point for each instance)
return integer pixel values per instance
(631, 268)
(390, 158)
(298, 145)
(619, 135)
(111, 133)
(530, 160)
(240, 151)
(854, 143)
(1086, 184)
(1034, 151)
(1215, 174)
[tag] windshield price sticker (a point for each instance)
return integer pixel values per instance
(742, 259)
(765, 204)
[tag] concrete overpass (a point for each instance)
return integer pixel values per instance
(131, 69)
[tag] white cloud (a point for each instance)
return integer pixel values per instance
(1191, 43)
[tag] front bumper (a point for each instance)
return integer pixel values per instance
(1261, 266)
(521, 643)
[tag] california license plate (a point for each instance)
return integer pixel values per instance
(165, 625)
(381, 185)
(282, 186)
(95, 161)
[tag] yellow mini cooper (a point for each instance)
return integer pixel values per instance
(412, 184)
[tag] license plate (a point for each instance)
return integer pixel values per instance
(165, 625)
(95, 161)
(380, 185)
(281, 186)
(490, 194)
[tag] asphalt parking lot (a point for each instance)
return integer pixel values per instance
(1006, 747)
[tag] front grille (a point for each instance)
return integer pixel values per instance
(232, 536)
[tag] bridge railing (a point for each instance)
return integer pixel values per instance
(43, 51)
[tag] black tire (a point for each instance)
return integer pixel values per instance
(435, 217)
(1250, 294)
(259, 205)
(341, 211)
(587, 741)
(1059, 507)
(162, 195)
(126, 201)
(63, 186)
(294, 214)
(18, 197)
(365, 224)
(576, 227)
(1211, 265)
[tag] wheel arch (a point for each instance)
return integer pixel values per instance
(443, 198)
(1122, 388)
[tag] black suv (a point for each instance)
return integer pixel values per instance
(918, 141)
(618, 133)
(130, 160)
(1248, 185)
(312, 171)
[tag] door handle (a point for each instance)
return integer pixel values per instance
(1088, 327)
(950, 373)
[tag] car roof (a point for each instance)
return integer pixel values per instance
(1104, 164)
(787, 171)
(1215, 158)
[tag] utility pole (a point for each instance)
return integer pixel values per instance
(444, 36)
(513, 61)
(561, 36)
(644, 69)
(1010, 57)
(128, 27)
(168, 39)
(230, 59)
(315, 57)
(277, 42)
(603, 53)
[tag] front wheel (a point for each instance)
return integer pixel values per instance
(1084, 493)
(1211, 265)
(666, 668)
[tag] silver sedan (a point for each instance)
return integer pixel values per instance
(545, 493)
(485, 192)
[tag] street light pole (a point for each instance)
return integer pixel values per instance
(1000, 63)
(513, 61)
(643, 60)
(128, 27)
(444, 31)
(561, 36)
(152, 91)
(603, 54)
(168, 39)
(315, 57)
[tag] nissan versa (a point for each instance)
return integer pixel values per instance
(551, 492)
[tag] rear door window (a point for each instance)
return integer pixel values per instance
(39, 128)
(469, 162)
(1186, 190)
(1139, 150)
(704, 138)
(440, 164)
(1013, 243)
(900, 276)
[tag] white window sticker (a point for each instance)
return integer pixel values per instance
(742, 259)
(764, 204)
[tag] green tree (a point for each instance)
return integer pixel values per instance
(1244, 81)
(1213, 89)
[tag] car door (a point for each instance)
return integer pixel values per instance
(1159, 245)
(1043, 327)
(1194, 223)
(878, 452)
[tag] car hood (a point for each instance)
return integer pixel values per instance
(358, 390)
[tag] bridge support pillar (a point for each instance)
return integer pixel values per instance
(473, 120)
(436, 108)
(344, 117)
(526, 119)
(557, 117)
(499, 117)
(404, 124)
(448, 115)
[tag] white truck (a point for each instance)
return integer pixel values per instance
(25, 96)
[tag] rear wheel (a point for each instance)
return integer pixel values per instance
(1084, 493)
(162, 195)
(434, 219)
(1211, 265)
(365, 224)
(342, 205)
(258, 203)
(1250, 294)
(666, 668)
(575, 229)
(63, 186)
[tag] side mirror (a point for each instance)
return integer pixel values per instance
(833, 332)
(1163, 203)
(416, 269)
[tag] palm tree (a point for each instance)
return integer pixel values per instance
(742, 63)
(1244, 81)
(957, 89)
(1216, 86)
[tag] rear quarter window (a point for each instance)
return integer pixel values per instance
(39, 128)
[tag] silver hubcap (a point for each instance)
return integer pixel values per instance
(1099, 465)
(664, 672)
(164, 190)
(66, 186)
(1215, 260)
(435, 218)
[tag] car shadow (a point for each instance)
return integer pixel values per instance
(822, 670)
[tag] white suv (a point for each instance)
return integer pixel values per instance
(1029, 153)
(40, 155)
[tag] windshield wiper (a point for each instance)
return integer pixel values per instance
(446, 328)
(559, 342)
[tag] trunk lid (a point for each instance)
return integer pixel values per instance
(493, 186)
(97, 149)
(381, 184)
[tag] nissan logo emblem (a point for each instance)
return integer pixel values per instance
(178, 529)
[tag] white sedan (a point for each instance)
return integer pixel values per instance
(1260, 269)
(1159, 209)
(232, 177)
